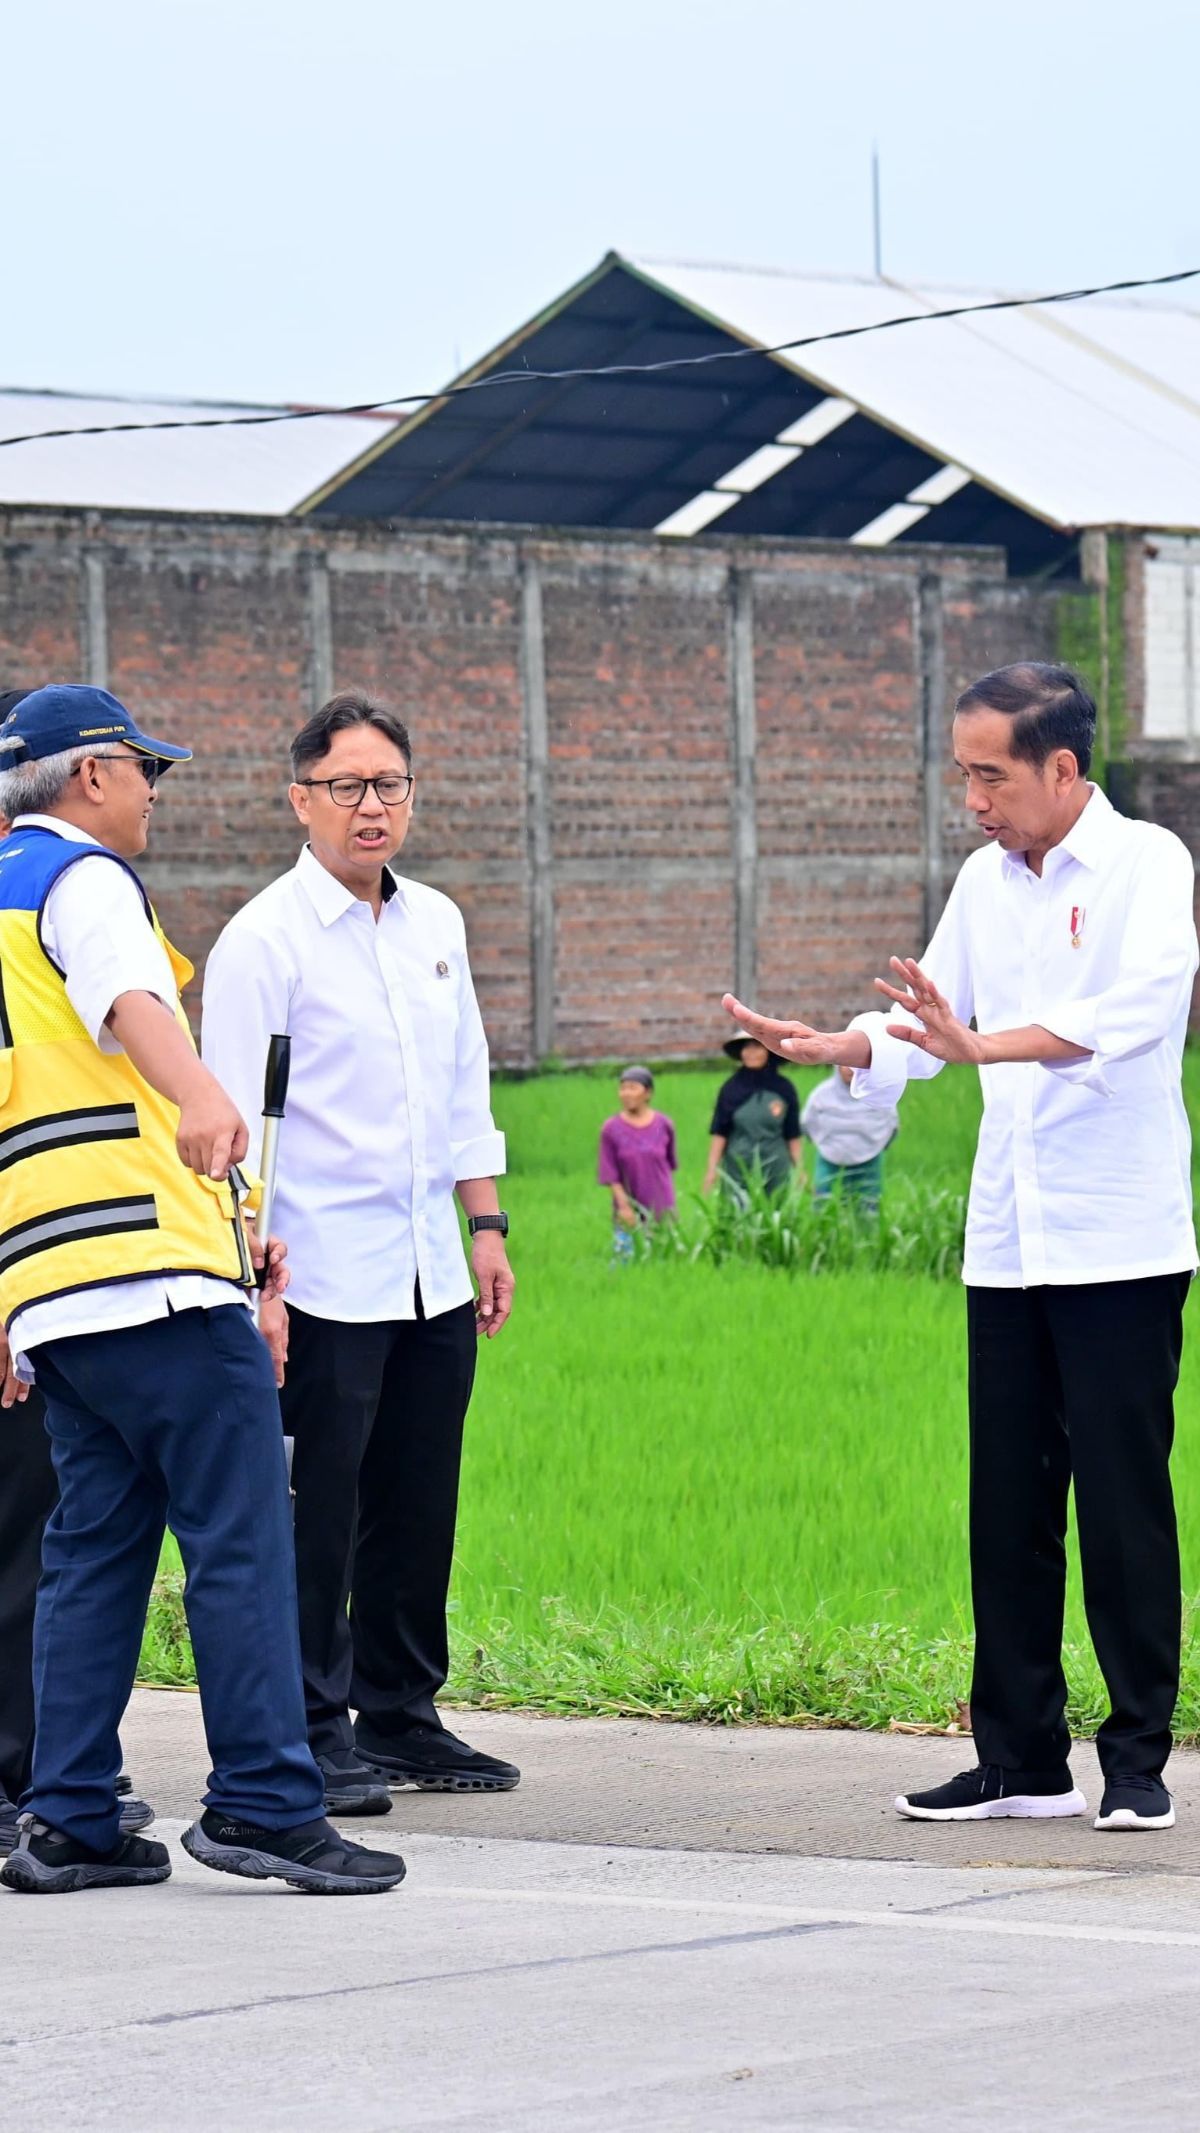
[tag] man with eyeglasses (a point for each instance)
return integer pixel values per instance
(388, 1121)
(123, 1292)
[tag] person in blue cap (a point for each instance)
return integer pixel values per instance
(124, 1269)
(28, 1492)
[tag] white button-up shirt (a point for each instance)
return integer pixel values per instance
(95, 927)
(1082, 1172)
(389, 1105)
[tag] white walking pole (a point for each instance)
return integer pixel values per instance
(279, 1067)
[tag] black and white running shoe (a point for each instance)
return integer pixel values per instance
(46, 1862)
(988, 1791)
(432, 1759)
(313, 1857)
(1140, 1802)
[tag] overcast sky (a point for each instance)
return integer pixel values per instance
(329, 200)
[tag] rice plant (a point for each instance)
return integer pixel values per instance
(915, 1230)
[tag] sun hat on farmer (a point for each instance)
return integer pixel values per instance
(735, 1045)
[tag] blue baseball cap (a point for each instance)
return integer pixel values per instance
(69, 715)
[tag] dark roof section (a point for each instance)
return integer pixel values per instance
(628, 451)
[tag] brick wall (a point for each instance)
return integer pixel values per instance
(646, 770)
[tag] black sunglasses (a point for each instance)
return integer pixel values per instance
(149, 765)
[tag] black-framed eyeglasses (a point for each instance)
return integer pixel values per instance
(393, 788)
(149, 765)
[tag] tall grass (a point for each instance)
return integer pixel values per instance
(916, 1229)
(707, 1487)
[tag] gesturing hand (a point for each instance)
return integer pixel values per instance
(790, 1040)
(212, 1132)
(941, 1034)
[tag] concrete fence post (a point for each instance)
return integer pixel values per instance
(539, 842)
(931, 738)
(95, 619)
(320, 632)
(740, 634)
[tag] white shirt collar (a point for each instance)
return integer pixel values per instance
(1088, 840)
(70, 830)
(329, 897)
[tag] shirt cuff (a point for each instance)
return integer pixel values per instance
(483, 1157)
(882, 1083)
(1076, 1023)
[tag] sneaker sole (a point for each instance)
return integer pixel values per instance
(378, 1802)
(442, 1781)
(265, 1866)
(1020, 1806)
(32, 1877)
(1126, 1818)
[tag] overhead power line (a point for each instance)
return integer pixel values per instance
(526, 376)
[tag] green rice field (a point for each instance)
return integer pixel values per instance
(727, 1492)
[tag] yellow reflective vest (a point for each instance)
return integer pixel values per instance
(92, 1189)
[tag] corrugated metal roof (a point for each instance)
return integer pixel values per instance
(255, 471)
(1086, 414)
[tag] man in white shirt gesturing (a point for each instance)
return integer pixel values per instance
(388, 1119)
(1062, 968)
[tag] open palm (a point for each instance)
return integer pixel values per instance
(940, 1032)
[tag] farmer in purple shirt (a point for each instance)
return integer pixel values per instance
(637, 1156)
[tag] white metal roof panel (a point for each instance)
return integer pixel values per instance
(1078, 427)
(258, 471)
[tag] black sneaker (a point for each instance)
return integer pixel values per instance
(987, 1791)
(135, 1814)
(1140, 1802)
(312, 1857)
(350, 1789)
(429, 1759)
(8, 1823)
(45, 1862)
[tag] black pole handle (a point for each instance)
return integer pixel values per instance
(279, 1067)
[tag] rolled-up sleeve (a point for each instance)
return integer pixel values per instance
(947, 962)
(1154, 977)
(476, 1147)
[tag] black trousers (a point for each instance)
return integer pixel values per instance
(28, 1494)
(377, 1415)
(1074, 1384)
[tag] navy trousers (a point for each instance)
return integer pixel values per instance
(27, 1496)
(176, 1421)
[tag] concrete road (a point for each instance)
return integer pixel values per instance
(665, 1927)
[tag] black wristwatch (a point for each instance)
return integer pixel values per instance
(477, 1222)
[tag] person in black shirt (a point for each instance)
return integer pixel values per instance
(756, 1123)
